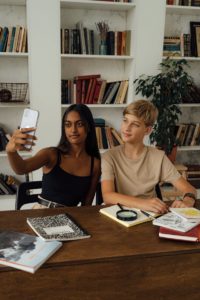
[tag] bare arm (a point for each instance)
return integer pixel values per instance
(95, 179)
(111, 197)
(184, 186)
(20, 165)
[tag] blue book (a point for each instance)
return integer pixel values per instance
(12, 39)
(3, 41)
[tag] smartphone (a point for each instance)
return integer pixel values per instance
(29, 120)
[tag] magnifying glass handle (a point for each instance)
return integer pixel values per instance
(120, 206)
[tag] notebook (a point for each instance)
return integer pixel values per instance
(60, 227)
(141, 216)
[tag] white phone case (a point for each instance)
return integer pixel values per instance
(29, 120)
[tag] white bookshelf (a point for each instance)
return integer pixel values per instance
(44, 66)
(177, 21)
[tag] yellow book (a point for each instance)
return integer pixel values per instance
(187, 213)
(142, 217)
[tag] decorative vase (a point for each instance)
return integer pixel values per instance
(102, 48)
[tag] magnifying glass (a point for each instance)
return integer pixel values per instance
(126, 214)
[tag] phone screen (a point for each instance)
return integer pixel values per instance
(29, 120)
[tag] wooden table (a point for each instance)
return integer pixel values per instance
(115, 263)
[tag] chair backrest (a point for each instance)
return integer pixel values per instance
(23, 193)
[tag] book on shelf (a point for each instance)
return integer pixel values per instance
(172, 221)
(117, 136)
(111, 95)
(17, 33)
(198, 40)
(195, 2)
(102, 91)
(187, 213)
(193, 44)
(141, 217)
(5, 188)
(172, 46)
(195, 135)
(60, 227)
(12, 39)
(24, 251)
(192, 235)
(3, 39)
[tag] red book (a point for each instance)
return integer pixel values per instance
(97, 91)
(87, 76)
(193, 235)
(78, 91)
(88, 90)
(91, 96)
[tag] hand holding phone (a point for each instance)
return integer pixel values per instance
(29, 120)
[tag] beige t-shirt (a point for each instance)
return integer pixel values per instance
(137, 177)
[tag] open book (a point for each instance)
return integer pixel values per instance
(24, 251)
(172, 221)
(141, 216)
(58, 227)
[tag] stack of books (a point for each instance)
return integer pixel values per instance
(188, 134)
(13, 39)
(107, 137)
(193, 174)
(184, 2)
(180, 224)
(172, 46)
(91, 89)
(8, 184)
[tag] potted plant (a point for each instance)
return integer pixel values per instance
(166, 90)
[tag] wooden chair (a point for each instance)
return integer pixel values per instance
(169, 192)
(25, 195)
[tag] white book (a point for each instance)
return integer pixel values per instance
(172, 221)
(60, 227)
(24, 251)
(142, 217)
(187, 213)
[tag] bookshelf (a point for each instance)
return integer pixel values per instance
(122, 67)
(44, 66)
(177, 21)
(14, 68)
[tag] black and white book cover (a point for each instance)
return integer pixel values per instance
(24, 251)
(60, 227)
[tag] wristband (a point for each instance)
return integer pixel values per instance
(190, 195)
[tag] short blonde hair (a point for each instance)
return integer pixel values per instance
(142, 109)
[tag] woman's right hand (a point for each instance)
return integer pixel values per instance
(19, 139)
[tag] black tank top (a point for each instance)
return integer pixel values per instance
(64, 188)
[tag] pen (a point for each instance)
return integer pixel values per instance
(146, 214)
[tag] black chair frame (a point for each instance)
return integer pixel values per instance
(23, 193)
